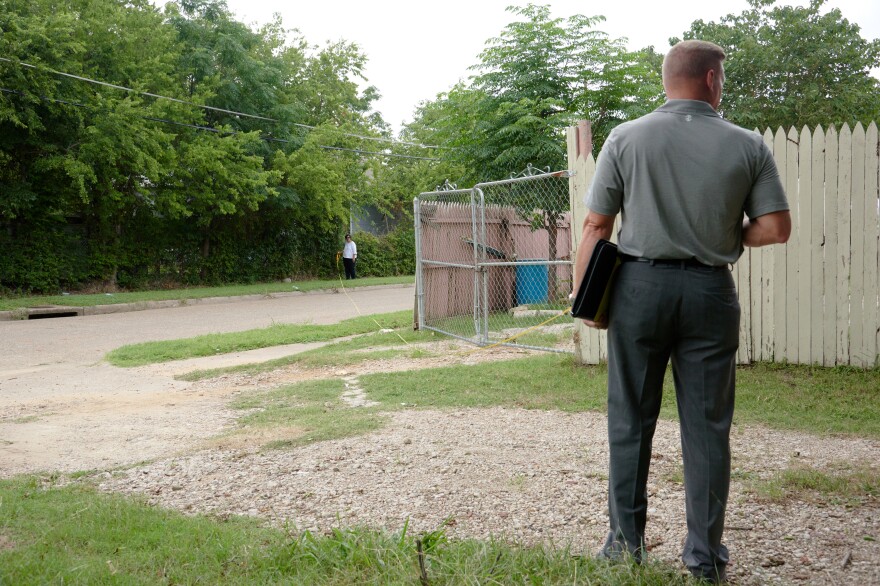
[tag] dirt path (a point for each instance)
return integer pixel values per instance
(63, 408)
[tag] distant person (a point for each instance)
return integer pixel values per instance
(349, 257)
(692, 190)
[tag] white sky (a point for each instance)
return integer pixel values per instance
(417, 49)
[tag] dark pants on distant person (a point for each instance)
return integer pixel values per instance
(691, 315)
(348, 263)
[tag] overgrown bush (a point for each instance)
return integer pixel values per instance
(154, 254)
(386, 256)
(45, 261)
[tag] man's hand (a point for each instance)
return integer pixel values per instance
(596, 226)
(596, 325)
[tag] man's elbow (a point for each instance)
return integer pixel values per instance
(783, 229)
(598, 225)
(776, 227)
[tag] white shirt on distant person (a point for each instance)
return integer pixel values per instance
(350, 250)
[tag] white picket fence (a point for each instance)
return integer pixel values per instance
(815, 299)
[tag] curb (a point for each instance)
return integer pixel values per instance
(53, 311)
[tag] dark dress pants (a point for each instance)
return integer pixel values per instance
(348, 263)
(691, 316)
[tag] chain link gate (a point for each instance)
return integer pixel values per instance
(494, 262)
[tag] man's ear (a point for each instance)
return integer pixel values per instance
(709, 80)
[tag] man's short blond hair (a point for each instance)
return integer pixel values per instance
(692, 59)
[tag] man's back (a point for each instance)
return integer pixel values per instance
(682, 178)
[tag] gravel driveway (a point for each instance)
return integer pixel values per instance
(530, 476)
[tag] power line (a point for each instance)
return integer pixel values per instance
(234, 113)
(379, 153)
(231, 133)
(127, 89)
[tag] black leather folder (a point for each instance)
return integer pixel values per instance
(591, 300)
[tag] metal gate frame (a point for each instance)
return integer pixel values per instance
(481, 263)
(443, 192)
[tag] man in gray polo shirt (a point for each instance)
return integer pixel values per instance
(691, 190)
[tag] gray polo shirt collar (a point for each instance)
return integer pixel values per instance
(695, 107)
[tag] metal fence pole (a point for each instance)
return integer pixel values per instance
(481, 270)
(420, 291)
(476, 304)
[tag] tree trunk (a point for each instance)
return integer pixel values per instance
(206, 254)
(552, 277)
(110, 284)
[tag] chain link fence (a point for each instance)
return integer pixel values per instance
(494, 263)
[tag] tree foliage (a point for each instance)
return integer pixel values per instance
(794, 66)
(102, 184)
(538, 77)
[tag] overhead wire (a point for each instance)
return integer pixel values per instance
(128, 89)
(232, 133)
(381, 154)
(203, 106)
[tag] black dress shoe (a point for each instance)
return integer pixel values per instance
(710, 576)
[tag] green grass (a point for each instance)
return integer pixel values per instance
(539, 382)
(839, 400)
(811, 399)
(340, 353)
(561, 305)
(315, 410)
(309, 412)
(843, 401)
(27, 419)
(12, 303)
(73, 534)
(544, 339)
(463, 325)
(844, 483)
(212, 344)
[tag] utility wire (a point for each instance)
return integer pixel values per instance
(381, 154)
(229, 133)
(234, 113)
(377, 138)
(128, 89)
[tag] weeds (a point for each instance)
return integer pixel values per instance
(842, 483)
(63, 534)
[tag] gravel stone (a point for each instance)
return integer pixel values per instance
(529, 477)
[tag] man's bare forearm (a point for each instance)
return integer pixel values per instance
(774, 228)
(596, 226)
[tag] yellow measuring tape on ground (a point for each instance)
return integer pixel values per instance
(358, 309)
(518, 334)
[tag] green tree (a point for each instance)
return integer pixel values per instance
(539, 76)
(75, 150)
(331, 76)
(215, 176)
(98, 182)
(302, 191)
(794, 66)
